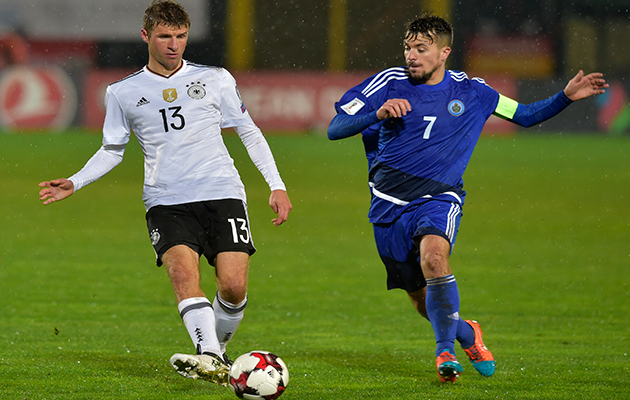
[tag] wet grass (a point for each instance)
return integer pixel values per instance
(541, 261)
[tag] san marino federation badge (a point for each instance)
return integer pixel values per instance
(456, 108)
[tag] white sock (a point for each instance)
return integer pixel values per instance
(228, 317)
(198, 317)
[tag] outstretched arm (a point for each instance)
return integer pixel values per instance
(583, 86)
(103, 161)
(527, 115)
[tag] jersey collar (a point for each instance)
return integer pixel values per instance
(153, 73)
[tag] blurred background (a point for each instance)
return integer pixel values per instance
(294, 58)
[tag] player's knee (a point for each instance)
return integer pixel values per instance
(435, 264)
(233, 294)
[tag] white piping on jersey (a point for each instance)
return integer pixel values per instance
(387, 197)
(381, 79)
(400, 202)
(461, 76)
(451, 218)
(458, 76)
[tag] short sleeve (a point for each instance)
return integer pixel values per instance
(233, 109)
(116, 128)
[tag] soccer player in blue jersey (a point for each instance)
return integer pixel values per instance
(420, 124)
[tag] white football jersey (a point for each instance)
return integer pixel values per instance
(178, 121)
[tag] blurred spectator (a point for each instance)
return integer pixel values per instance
(13, 45)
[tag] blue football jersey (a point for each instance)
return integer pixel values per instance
(425, 153)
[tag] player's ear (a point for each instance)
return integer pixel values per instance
(444, 53)
(145, 35)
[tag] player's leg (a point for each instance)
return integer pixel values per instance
(397, 247)
(197, 313)
(231, 298)
(442, 303)
(419, 301)
(468, 334)
(465, 333)
(230, 246)
(169, 227)
(182, 266)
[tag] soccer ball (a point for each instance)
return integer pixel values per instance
(258, 375)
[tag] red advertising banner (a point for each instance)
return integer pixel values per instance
(36, 98)
(294, 101)
(94, 87)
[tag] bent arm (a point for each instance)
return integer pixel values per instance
(344, 125)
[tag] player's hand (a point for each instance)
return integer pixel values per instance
(393, 108)
(281, 205)
(582, 86)
(55, 190)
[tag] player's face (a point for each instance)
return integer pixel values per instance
(425, 59)
(166, 47)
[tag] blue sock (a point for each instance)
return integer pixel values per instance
(465, 334)
(443, 311)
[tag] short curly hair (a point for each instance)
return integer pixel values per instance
(437, 29)
(167, 12)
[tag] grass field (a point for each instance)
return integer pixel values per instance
(541, 260)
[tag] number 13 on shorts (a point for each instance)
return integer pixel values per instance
(240, 230)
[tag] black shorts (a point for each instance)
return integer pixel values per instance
(207, 227)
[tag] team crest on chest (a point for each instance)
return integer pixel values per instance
(196, 90)
(169, 95)
(456, 108)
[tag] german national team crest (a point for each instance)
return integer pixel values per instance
(169, 95)
(456, 108)
(155, 237)
(196, 90)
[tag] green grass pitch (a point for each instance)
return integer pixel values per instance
(541, 260)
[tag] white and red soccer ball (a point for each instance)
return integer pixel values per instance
(259, 375)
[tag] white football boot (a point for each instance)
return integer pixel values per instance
(208, 367)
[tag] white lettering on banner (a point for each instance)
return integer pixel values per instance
(293, 102)
(253, 99)
(327, 99)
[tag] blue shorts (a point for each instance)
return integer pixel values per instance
(397, 242)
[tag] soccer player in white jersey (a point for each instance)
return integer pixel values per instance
(193, 194)
(420, 124)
